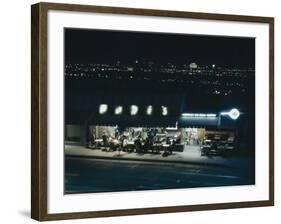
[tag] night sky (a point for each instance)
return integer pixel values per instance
(102, 46)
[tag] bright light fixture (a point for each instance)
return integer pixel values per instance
(233, 113)
(149, 110)
(211, 115)
(103, 108)
(164, 110)
(197, 115)
(118, 110)
(134, 109)
(187, 115)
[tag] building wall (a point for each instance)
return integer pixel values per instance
(75, 134)
(74, 131)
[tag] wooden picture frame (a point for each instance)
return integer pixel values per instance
(39, 109)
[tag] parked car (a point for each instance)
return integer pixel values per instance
(229, 148)
(218, 148)
(211, 147)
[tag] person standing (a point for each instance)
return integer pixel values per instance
(104, 139)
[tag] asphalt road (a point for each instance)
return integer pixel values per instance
(83, 175)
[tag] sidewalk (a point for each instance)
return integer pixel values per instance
(190, 155)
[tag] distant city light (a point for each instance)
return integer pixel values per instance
(118, 110)
(134, 109)
(164, 110)
(103, 108)
(197, 115)
(213, 65)
(149, 110)
(233, 113)
(193, 65)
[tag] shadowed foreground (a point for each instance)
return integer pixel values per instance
(83, 175)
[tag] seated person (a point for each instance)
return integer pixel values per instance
(138, 143)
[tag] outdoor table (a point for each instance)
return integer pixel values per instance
(130, 145)
(166, 147)
(98, 140)
(114, 144)
(157, 147)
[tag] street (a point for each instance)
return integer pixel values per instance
(86, 175)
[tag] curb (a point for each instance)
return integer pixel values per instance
(149, 160)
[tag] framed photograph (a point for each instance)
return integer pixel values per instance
(139, 111)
